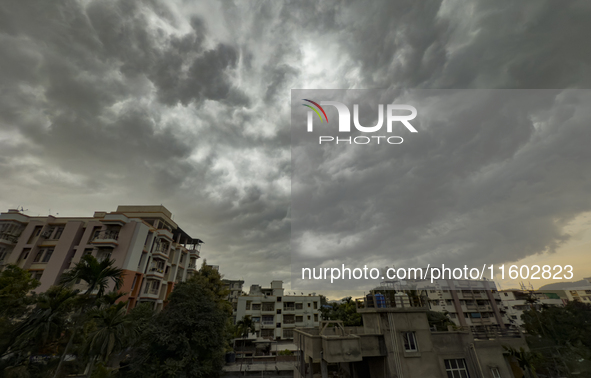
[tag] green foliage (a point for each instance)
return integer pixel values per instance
(113, 328)
(562, 338)
(286, 352)
(97, 275)
(346, 311)
(15, 284)
(188, 338)
(245, 326)
(440, 320)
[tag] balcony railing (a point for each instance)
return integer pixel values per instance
(268, 322)
(289, 308)
(9, 237)
(106, 235)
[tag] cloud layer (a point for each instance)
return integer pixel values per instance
(187, 104)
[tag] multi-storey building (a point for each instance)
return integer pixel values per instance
(396, 341)
(276, 315)
(515, 302)
(469, 303)
(234, 288)
(144, 241)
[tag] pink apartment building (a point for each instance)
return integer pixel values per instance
(144, 241)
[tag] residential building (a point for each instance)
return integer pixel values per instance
(144, 241)
(515, 302)
(275, 314)
(469, 303)
(397, 341)
(234, 288)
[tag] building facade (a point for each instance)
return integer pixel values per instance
(144, 241)
(234, 288)
(469, 303)
(397, 341)
(516, 302)
(276, 315)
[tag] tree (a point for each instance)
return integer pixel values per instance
(113, 328)
(440, 320)
(188, 338)
(245, 326)
(562, 336)
(96, 274)
(346, 311)
(15, 284)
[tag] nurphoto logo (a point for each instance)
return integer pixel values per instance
(344, 120)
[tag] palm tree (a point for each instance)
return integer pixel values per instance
(97, 275)
(49, 318)
(113, 328)
(245, 326)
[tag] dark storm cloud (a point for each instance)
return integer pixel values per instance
(186, 104)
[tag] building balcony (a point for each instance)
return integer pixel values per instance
(106, 238)
(115, 219)
(8, 238)
(151, 294)
(268, 324)
(289, 309)
(155, 273)
(192, 267)
(160, 253)
(194, 253)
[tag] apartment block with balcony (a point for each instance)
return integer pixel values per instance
(397, 341)
(144, 241)
(234, 288)
(275, 314)
(515, 302)
(469, 303)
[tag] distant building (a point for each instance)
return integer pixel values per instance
(515, 302)
(235, 290)
(469, 303)
(276, 315)
(396, 341)
(154, 252)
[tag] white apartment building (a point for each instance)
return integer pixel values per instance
(516, 302)
(276, 315)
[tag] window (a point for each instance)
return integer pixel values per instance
(88, 251)
(256, 319)
(58, 233)
(35, 233)
(24, 254)
(308, 317)
(299, 306)
(299, 319)
(452, 315)
(278, 299)
(38, 255)
(36, 274)
(308, 305)
(133, 283)
(315, 317)
(278, 312)
(288, 333)
(315, 305)
(3, 253)
(48, 255)
(410, 342)
(278, 325)
(456, 368)
(495, 372)
(256, 306)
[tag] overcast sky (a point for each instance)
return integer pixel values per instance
(187, 104)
